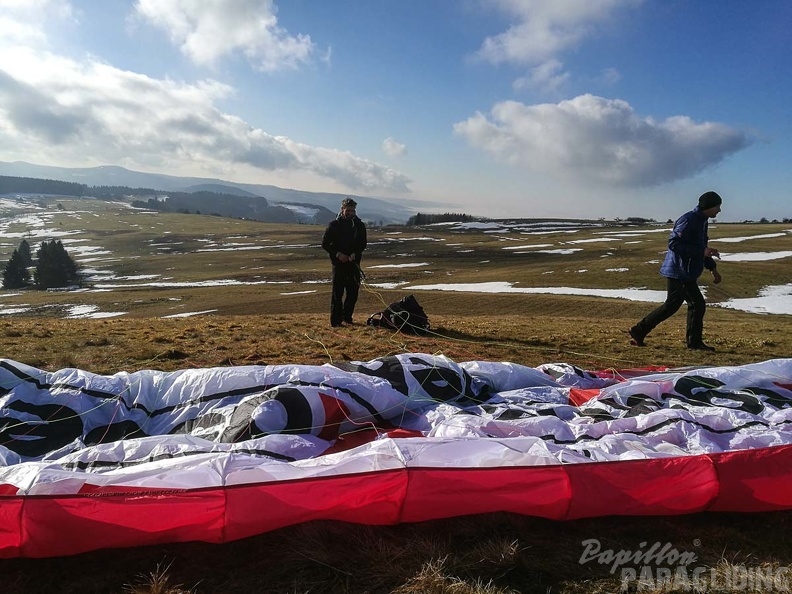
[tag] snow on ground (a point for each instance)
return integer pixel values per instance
(595, 240)
(9, 311)
(528, 247)
(408, 265)
(631, 294)
(775, 299)
(91, 311)
(754, 256)
(233, 249)
(468, 226)
(563, 252)
(306, 211)
(387, 285)
(195, 284)
(188, 314)
(747, 237)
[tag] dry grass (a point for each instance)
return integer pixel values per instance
(259, 324)
(129, 344)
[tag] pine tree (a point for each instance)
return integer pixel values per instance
(54, 266)
(24, 251)
(15, 274)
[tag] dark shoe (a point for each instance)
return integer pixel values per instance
(349, 321)
(701, 347)
(336, 324)
(636, 339)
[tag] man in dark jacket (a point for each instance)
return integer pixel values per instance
(345, 239)
(687, 256)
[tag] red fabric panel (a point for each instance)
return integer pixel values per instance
(446, 492)
(353, 439)
(372, 498)
(750, 481)
(579, 396)
(336, 412)
(53, 526)
(6, 489)
(754, 480)
(657, 487)
(11, 526)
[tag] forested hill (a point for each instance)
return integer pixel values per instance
(29, 185)
(218, 203)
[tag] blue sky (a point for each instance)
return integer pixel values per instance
(518, 108)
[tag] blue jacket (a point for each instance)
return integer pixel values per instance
(685, 258)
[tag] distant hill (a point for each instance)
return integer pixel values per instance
(369, 208)
(219, 189)
(303, 212)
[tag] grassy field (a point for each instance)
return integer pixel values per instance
(267, 302)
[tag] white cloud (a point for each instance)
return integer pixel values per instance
(610, 76)
(545, 28)
(593, 139)
(393, 148)
(208, 30)
(21, 20)
(546, 77)
(58, 110)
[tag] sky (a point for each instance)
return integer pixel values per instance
(497, 108)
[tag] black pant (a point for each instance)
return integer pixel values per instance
(346, 278)
(679, 291)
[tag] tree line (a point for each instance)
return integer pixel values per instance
(31, 185)
(52, 267)
(447, 217)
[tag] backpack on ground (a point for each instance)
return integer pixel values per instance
(404, 315)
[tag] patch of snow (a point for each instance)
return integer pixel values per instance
(188, 314)
(775, 299)
(631, 294)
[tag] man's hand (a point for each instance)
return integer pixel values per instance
(711, 253)
(716, 277)
(342, 257)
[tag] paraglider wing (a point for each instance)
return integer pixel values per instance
(219, 454)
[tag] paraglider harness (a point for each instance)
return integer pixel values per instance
(404, 315)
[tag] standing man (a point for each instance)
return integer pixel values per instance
(687, 256)
(345, 239)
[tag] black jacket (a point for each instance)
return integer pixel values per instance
(347, 236)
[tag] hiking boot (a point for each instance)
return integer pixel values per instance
(637, 339)
(701, 347)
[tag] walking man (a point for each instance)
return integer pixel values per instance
(345, 239)
(687, 256)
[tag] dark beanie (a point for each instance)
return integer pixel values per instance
(708, 200)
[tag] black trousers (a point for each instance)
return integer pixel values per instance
(346, 279)
(679, 292)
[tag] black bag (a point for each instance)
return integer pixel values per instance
(404, 315)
